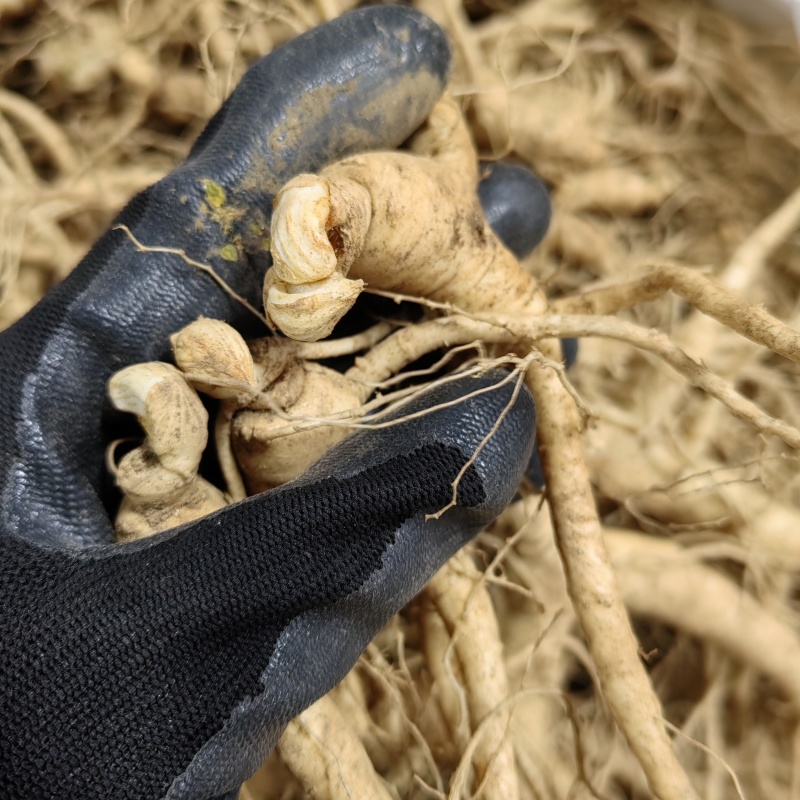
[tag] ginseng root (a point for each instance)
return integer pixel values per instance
(407, 222)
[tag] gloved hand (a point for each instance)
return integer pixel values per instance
(167, 668)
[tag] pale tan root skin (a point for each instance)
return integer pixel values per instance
(159, 479)
(446, 707)
(505, 328)
(327, 758)
(660, 580)
(461, 330)
(462, 600)
(223, 441)
(317, 392)
(420, 230)
(168, 409)
(743, 274)
(400, 347)
(593, 590)
(751, 321)
(218, 362)
(382, 721)
(287, 381)
(592, 582)
(139, 520)
(216, 359)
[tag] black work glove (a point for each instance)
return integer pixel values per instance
(167, 668)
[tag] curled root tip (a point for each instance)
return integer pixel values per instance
(301, 249)
(309, 313)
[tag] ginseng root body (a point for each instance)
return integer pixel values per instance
(401, 222)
